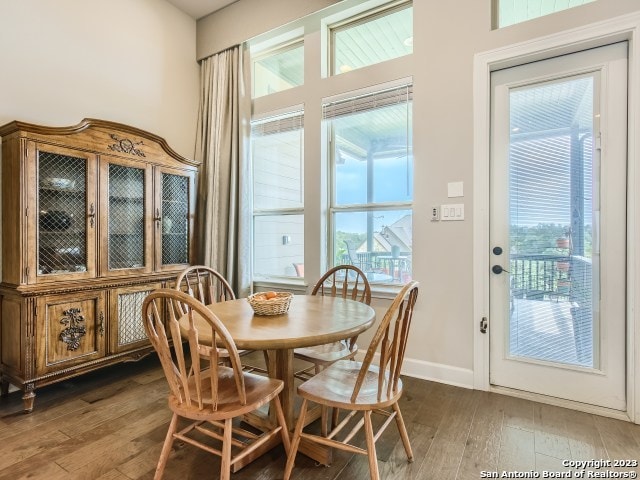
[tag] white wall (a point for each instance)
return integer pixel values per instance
(132, 62)
(446, 37)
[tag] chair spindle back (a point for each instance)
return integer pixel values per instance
(391, 336)
(205, 284)
(351, 281)
(184, 370)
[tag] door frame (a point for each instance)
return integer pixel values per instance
(622, 28)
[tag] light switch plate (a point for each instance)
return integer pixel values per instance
(452, 212)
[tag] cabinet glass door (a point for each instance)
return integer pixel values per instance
(127, 233)
(174, 217)
(66, 217)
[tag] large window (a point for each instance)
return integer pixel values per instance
(278, 69)
(372, 182)
(278, 205)
(372, 38)
(349, 199)
(510, 12)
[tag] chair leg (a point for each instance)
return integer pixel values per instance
(371, 446)
(295, 441)
(403, 431)
(225, 463)
(282, 422)
(166, 448)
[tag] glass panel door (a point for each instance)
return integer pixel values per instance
(66, 211)
(175, 218)
(551, 222)
(125, 221)
(558, 196)
(126, 217)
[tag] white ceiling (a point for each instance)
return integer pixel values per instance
(200, 8)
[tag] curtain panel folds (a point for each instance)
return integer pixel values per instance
(224, 207)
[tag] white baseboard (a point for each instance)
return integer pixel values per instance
(435, 372)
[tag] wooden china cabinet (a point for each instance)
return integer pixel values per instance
(94, 217)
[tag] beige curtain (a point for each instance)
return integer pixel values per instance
(223, 215)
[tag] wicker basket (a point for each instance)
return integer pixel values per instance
(275, 306)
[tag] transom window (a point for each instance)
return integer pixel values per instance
(510, 12)
(372, 38)
(278, 69)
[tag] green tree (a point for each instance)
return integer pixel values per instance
(541, 239)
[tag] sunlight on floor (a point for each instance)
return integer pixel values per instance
(544, 330)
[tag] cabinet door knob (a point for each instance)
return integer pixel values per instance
(157, 218)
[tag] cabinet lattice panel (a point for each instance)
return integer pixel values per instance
(130, 328)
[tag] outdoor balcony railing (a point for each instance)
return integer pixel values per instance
(545, 277)
(390, 269)
(534, 277)
(539, 278)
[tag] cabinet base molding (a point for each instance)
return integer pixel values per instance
(28, 386)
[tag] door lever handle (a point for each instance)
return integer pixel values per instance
(497, 269)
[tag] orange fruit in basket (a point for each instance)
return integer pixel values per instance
(270, 295)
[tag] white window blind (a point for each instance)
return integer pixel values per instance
(279, 124)
(369, 101)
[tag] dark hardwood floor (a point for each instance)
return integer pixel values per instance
(111, 424)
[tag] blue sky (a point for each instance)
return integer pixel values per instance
(390, 184)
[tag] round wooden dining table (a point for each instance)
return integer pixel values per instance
(311, 320)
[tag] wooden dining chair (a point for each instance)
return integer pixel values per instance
(205, 284)
(209, 286)
(208, 394)
(345, 281)
(363, 387)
